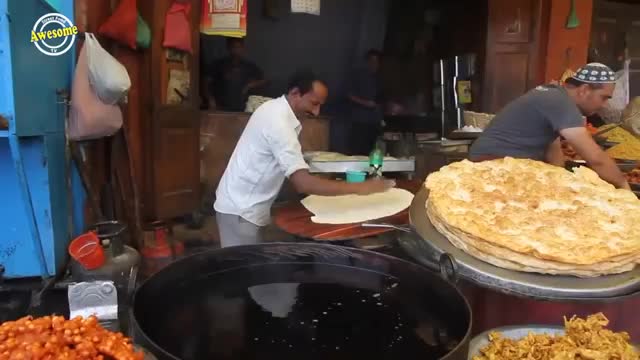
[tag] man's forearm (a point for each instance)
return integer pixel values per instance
(582, 141)
(609, 171)
(306, 183)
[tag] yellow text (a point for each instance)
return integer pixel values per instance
(52, 34)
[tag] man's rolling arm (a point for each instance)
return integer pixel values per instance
(582, 142)
(286, 148)
(305, 183)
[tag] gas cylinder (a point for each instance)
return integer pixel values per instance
(121, 265)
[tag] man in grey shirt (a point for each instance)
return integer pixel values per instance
(530, 126)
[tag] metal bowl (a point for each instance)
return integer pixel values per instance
(428, 244)
(292, 301)
(514, 332)
(626, 165)
(510, 332)
(605, 145)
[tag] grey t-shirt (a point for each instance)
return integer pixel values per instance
(528, 125)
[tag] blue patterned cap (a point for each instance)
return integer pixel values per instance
(595, 73)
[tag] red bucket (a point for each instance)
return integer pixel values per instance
(87, 250)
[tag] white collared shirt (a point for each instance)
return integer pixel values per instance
(267, 152)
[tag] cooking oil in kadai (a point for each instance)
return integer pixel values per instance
(369, 315)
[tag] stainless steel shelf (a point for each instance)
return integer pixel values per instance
(402, 165)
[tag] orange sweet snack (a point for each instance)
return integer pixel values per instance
(53, 337)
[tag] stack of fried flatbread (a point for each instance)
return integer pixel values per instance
(530, 216)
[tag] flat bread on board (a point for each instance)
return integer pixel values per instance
(348, 209)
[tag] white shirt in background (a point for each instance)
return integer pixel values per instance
(267, 152)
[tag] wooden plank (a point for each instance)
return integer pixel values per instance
(515, 48)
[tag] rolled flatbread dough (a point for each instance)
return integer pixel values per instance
(347, 209)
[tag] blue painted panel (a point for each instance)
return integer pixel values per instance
(17, 252)
(6, 79)
(57, 240)
(35, 142)
(43, 159)
(36, 162)
(64, 7)
(36, 76)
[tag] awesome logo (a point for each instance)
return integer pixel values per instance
(53, 34)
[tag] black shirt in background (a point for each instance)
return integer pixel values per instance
(229, 81)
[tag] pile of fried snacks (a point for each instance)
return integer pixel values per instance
(53, 337)
(628, 147)
(584, 339)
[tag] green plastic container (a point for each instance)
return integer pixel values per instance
(356, 176)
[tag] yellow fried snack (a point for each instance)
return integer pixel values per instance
(584, 339)
(628, 147)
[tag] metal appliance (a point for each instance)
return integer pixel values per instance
(405, 166)
(452, 90)
(121, 266)
(427, 244)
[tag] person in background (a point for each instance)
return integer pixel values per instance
(267, 153)
(233, 78)
(531, 126)
(365, 112)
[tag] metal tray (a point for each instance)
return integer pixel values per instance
(400, 165)
(428, 247)
(626, 165)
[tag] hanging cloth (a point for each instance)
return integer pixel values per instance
(143, 33)
(122, 25)
(177, 31)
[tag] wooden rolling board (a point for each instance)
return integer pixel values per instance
(295, 219)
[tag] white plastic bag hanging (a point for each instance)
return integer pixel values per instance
(107, 76)
(89, 117)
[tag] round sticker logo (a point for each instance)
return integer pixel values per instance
(53, 34)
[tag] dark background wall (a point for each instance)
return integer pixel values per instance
(332, 43)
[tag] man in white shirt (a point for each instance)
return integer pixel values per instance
(268, 152)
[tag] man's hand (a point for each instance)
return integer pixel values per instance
(375, 186)
(582, 141)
